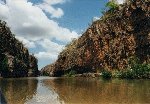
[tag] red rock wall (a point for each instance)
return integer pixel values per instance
(109, 42)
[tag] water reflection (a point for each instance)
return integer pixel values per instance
(46, 90)
(96, 91)
(2, 98)
(45, 95)
(17, 91)
(28, 91)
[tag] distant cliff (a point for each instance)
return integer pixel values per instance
(108, 43)
(15, 60)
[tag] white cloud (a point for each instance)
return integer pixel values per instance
(31, 25)
(50, 46)
(52, 50)
(53, 2)
(31, 22)
(4, 11)
(55, 13)
(27, 43)
(46, 55)
(95, 18)
(48, 7)
(2, 1)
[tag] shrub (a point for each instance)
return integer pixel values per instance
(71, 73)
(137, 71)
(106, 74)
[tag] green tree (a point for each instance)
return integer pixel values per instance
(112, 5)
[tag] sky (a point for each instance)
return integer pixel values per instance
(46, 26)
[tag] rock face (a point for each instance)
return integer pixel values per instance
(109, 42)
(48, 70)
(15, 60)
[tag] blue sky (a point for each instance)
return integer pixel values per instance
(79, 13)
(46, 26)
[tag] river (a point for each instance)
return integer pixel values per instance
(47, 90)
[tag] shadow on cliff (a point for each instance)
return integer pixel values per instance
(141, 22)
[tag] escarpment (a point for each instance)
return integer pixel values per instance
(15, 60)
(109, 42)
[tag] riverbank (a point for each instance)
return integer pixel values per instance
(105, 76)
(134, 71)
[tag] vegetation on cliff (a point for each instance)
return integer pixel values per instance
(109, 43)
(15, 60)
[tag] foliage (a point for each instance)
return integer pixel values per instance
(112, 5)
(106, 74)
(108, 12)
(136, 72)
(71, 73)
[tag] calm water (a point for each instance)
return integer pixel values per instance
(45, 90)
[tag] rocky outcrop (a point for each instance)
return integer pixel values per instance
(48, 70)
(109, 42)
(15, 60)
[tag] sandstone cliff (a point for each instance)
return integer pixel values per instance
(109, 42)
(15, 60)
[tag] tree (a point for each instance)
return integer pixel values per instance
(112, 4)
